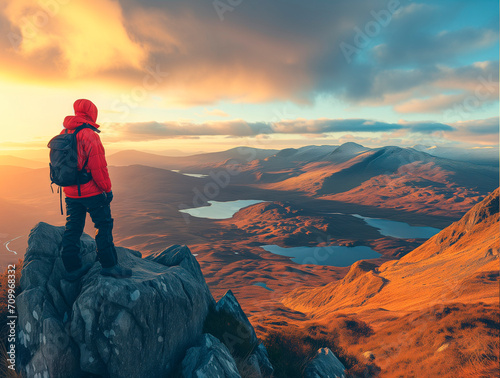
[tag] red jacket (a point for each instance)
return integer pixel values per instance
(89, 145)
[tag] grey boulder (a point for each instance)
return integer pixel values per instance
(229, 323)
(324, 365)
(135, 327)
(210, 359)
(242, 334)
(259, 361)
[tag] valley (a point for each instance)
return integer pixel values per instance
(306, 206)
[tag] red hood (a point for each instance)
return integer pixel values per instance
(85, 112)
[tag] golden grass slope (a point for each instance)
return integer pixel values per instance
(460, 264)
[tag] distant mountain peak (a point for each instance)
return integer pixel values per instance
(392, 148)
(286, 152)
(485, 209)
(350, 147)
(408, 152)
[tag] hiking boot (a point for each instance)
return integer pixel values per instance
(76, 274)
(117, 271)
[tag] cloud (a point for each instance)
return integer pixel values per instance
(481, 131)
(434, 104)
(434, 89)
(56, 40)
(413, 59)
(155, 130)
(412, 39)
(262, 50)
(488, 126)
(302, 126)
(143, 131)
(427, 127)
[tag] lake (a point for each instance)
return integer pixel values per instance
(218, 209)
(199, 175)
(262, 284)
(399, 230)
(330, 255)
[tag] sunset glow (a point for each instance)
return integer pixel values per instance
(194, 77)
(249, 188)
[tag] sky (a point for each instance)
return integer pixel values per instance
(211, 75)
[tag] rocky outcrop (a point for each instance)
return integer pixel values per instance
(259, 361)
(324, 365)
(45, 345)
(228, 322)
(210, 359)
(143, 326)
(228, 307)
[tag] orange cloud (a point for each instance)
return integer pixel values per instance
(75, 39)
(101, 43)
(263, 52)
(434, 104)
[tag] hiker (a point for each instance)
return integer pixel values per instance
(94, 196)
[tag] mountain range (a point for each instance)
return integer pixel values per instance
(417, 309)
(386, 177)
(389, 182)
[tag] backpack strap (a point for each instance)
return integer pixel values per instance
(86, 126)
(77, 130)
(59, 189)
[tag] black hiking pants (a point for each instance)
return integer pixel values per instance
(100, 212)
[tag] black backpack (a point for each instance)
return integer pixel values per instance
(64, 160)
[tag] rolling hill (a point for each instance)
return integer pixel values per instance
(434, 312)
(197, 162)
(386, 177)
(450, 266)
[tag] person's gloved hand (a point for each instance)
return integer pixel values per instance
(109, 196)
